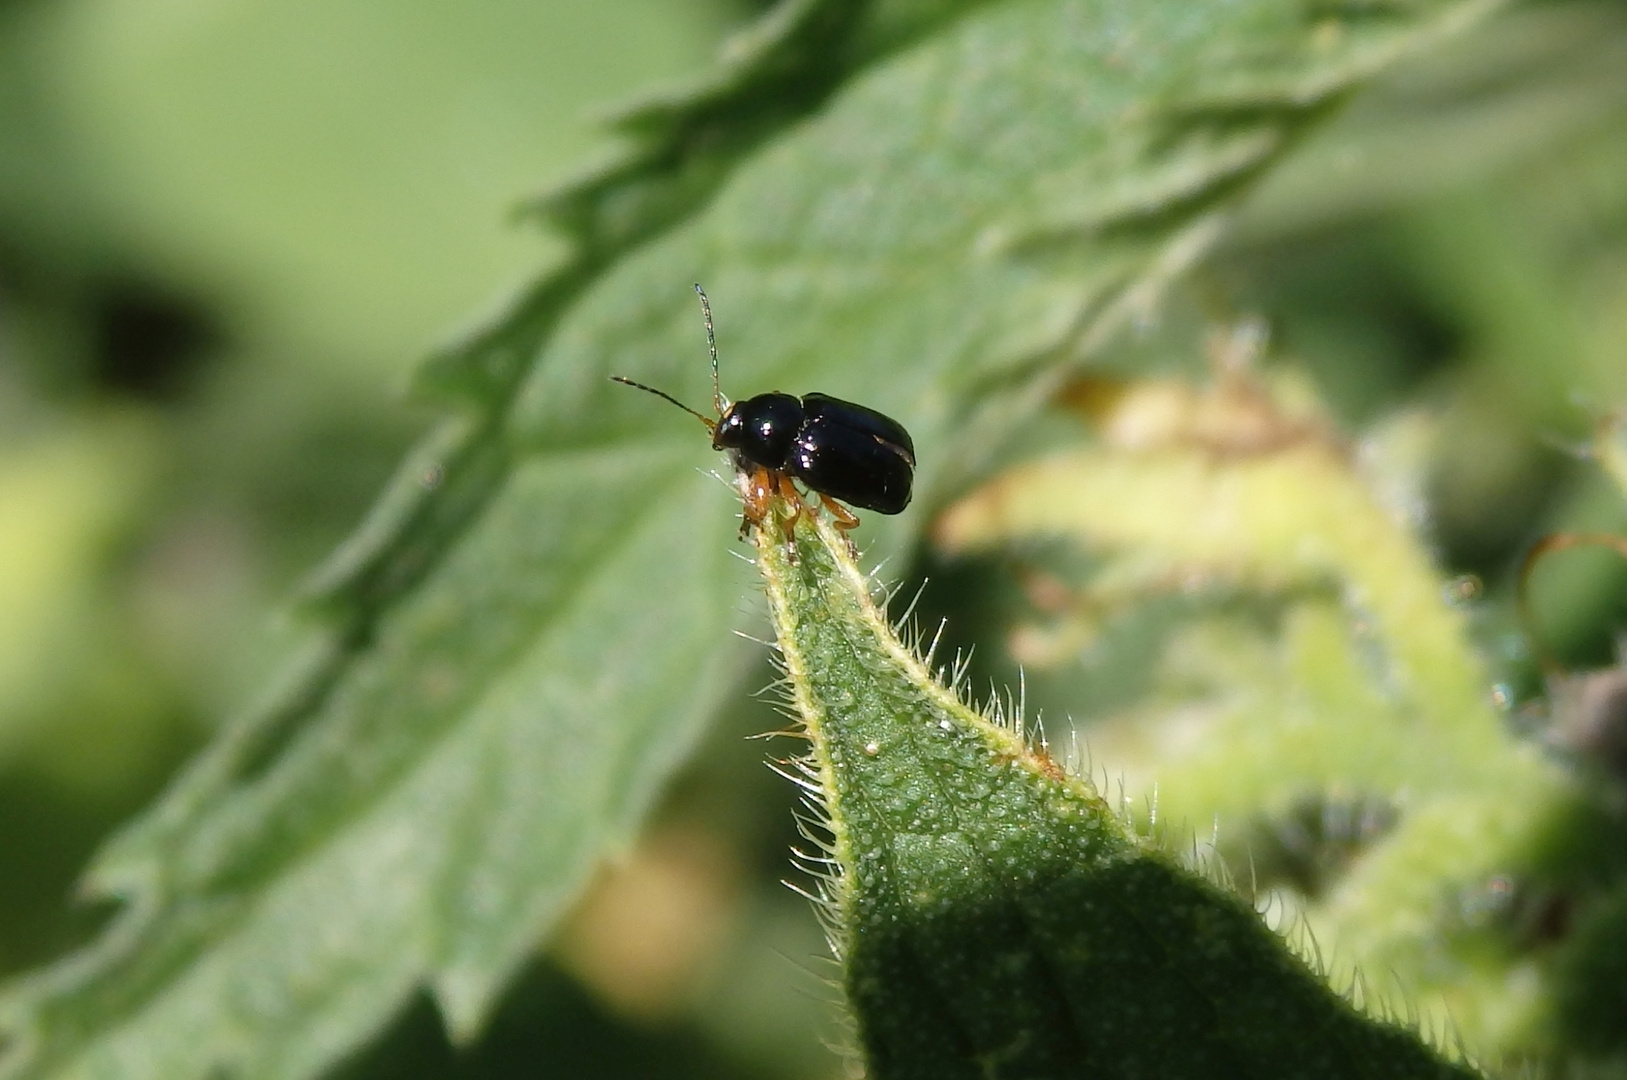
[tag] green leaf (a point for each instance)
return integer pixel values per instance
(527, 634)
(1610, 448)
(1362, 685)
(994, 916)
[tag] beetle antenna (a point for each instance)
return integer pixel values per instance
(711, 425)
(711, 344)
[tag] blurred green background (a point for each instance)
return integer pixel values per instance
(229, 230)
(228, 233)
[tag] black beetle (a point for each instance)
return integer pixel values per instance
(838, 449)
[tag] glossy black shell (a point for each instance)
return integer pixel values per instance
(760, 429)
(837, 448)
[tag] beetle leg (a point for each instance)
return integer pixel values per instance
(780, 483)
(845, 518)
(845, 521)
(789, 492)
(756, 491)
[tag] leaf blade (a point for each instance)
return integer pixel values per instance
(995, 917)
(913, 219)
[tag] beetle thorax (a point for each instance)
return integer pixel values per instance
(760, 429)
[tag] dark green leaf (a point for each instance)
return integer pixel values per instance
(526, 636)
(995, 917)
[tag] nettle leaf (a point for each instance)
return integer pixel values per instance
(1359, 694)
(523, 640)
(995, 917)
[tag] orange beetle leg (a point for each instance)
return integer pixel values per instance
(793, 498)
(757, 489)
(845, 518)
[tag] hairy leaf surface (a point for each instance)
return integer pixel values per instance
(995, 916)
(524, 637)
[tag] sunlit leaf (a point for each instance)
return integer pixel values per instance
(996, 917)
(1359, 686)
(523, 640)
